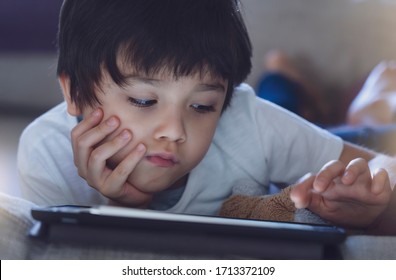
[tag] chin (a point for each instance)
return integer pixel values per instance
(149, 184)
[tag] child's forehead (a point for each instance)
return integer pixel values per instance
(133, 77)
(166, 74)
(165, 71)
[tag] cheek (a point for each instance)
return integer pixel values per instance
(128, 121)
(200, 139)
(139, 135)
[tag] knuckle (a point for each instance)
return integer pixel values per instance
(74, 133)
(107, 191)
(332, 166)
(95, 156)
(96, 185)
(82, 143)
(104, 191)
(326, 173)
(331, 163)
(359, 161)
(358, 165)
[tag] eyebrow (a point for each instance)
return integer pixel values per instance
(216, 86)
(145, 80)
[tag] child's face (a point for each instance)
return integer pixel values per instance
(174, 118)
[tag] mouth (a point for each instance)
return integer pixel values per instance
(162, 159)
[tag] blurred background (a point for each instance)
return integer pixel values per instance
(28, 85)
(336, 43)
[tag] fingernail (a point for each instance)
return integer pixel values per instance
(347, 175)
(125, 135)
(140, 147)
(112, 121)
(319, 184)
(96, 113)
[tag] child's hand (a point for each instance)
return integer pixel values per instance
(91, 153)
(345, 195)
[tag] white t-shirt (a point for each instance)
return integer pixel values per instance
(255, 141)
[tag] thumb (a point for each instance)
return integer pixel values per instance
(301, 193)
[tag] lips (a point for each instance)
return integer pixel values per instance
(162, 159)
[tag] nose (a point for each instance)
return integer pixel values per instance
(171, 127)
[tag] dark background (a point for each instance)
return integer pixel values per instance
(28, 25)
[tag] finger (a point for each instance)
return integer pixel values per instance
(86, 124)
(119, 175)
(304, 178)
(86, 143)
(99, 156)
(355, 168)
(327, 174)
(321, 207)
(301, 192)
(381, 183)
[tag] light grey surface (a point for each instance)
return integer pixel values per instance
(361, 247)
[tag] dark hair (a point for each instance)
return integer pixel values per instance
(182, 36)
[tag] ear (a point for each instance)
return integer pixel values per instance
(72, 109)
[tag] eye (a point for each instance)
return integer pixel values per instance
(203, 108)
(142, 103)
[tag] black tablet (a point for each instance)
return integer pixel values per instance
(154, 231)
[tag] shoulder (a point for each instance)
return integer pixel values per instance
(246, 102)
(252, 126)
(249, 112)
(54, 126)
(243, 96)
(56, 119)
(242, 105)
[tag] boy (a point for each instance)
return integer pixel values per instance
(151, 122)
